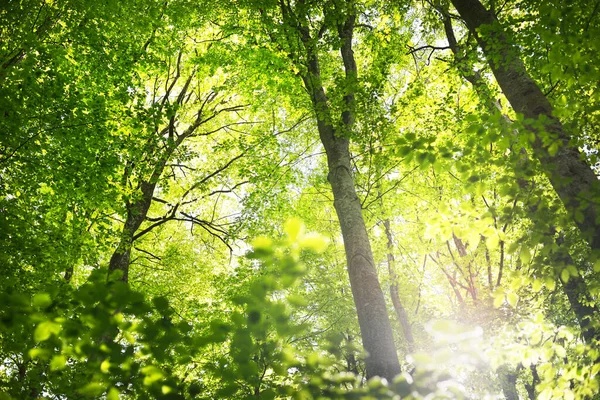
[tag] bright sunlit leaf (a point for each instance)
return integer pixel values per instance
(58, 362)
(314, 242)
(45, 329)
(113, 394)
(565, 275)
(293, 227)
(512, 299)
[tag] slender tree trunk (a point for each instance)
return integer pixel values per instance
(138, 209)
(375, 327)
(136, 214)
(571, 176)
(351, 361)
(451, 280)
(535, 379)
(585, 310)
(508, 382)
(401, 313)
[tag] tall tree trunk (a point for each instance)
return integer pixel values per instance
(375, 327)
(535, 380)
(571, 176)
(373, 319)
(585, 310)
(401, 313)
(351, 361)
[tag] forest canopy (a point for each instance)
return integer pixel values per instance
(272, 199)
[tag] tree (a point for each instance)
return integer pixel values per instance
(572, 177)
(574, 286)
(335, 136)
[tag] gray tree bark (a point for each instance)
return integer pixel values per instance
(136, 214)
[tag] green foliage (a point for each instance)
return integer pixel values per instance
(110, 340)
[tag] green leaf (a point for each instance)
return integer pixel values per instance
(512, 299)
(92, 389)
(262, 243)
(314, 242)
(43, 354)
(568, 395)
(105, 366)
(492, 241)
(565, 275)
(498, 297)
(293, 228)
(42, 300)
(498, 301)
(153, 374)
(553, 148)
(44, 330)
(195, 389)
(297, 300)
(161, 303)
(113, 394)
(525, 255)
(536, 285)
(560, 350)
(58, 362)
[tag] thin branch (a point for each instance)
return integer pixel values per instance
(394, 186)
(217, 171)
(175, 79)
(552, 88)
(158, 200)
(208, 227)
(592, 15)
(148, 253)
(427, 46)
(230, 190)
(224, 127)
(160, 221)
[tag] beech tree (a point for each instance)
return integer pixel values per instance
(335, 136)
(571, 175)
